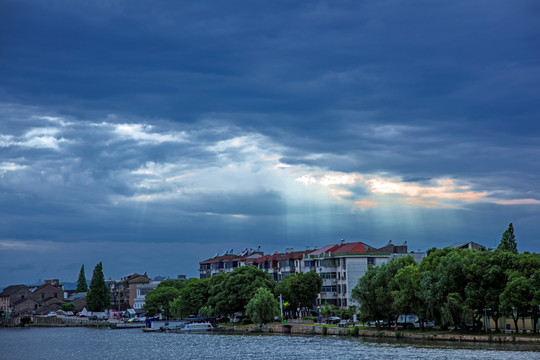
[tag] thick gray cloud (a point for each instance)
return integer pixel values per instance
(181, 130)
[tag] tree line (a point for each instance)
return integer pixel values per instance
(454, 287)
(247, 289)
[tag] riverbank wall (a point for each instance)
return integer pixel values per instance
(300, 329)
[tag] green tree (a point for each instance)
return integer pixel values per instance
(68, 306)
(443, 282)
(192, 298)
(495, 278)
(98, 298)
(407, 293)
(263, 306)
(179, 284)
(82, 286)
(513, 299)
(508, 241)
(158, 300)
(231, 293)
(206, 311)
(374, 292)
(299, 290)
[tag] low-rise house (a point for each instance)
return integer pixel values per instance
(5, 305)
(25, 306)
(119, 294)
(133, 281)
(50, 292)
(16, 293)
(124, 291)
(142, 291)
(79, 299)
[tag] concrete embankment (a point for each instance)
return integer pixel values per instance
(352, 331)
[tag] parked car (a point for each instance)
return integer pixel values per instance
(427, 324)
(333, 320)
(69, 313)
(344, 323)
(52, 314)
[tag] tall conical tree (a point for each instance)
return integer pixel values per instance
(82, 286)
(508, 241)
(98, 298)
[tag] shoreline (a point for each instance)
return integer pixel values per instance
(303, 329)
(311, 329)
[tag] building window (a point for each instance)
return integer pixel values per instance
(371, 261)
(328, 275)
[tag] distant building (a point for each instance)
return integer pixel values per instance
(133, 281)
(124, 291)
(24, 306)
(14, 295)
(468, 245)
(226, 262)
(5, 305)
(50, 292)
(119, 294)
(279, 265)
(142, 291)
(339, 265)
(79, 300)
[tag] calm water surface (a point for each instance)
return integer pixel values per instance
(87, 343)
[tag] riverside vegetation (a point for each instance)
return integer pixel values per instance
(453, 287)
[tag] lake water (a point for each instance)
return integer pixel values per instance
(103, 343)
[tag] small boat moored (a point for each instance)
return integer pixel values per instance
(197, 327)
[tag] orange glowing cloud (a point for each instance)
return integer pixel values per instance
(366, 204)
(518, 202)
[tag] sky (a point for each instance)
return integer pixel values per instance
(151, 135)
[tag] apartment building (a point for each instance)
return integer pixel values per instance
(342, 265)
(339, 265)
(226, 262)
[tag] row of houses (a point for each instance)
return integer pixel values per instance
(339, 265)
(24, 299)
(127, 293)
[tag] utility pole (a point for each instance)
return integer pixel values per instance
(485, 317)
(281, 306)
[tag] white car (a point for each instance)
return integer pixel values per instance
(52, 314)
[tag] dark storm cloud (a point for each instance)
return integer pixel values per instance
(278, 123)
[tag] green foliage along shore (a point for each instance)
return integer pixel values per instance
(454, 286)
(246, 289)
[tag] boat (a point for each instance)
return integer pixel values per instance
(197, 327)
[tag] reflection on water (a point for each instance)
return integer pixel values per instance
(87, 343)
